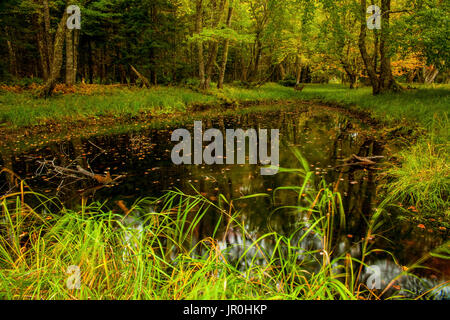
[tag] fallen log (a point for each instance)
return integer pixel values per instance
(140, 76)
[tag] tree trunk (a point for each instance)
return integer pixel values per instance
(72, 39)
(385, 81)
(282, 71)
(69, 58)
(76, 41)
(144, 80)
(47, 33)
(244, 68)
(57, 58)
(90, 63)
(12, 54)
(213, 45)
(42, 47)
(411, 76)
(257, 52)
(103, 72)
(210, 65)
(198, 30)
(350, 73)
(430, 73)
(363, 49)
(298, 67)
(225, 51)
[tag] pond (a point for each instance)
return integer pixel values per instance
(324, 136)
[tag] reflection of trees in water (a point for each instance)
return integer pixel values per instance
(240, 250)
(6, 179)
(244, 248)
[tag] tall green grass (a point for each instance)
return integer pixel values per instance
(160, 262)
(422, 179)
(164, 257)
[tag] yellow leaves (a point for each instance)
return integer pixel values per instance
(404, 65)
(14, 89)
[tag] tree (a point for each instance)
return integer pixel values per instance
(57, 57)
(217, 12)
(225, 48)
(422, 32)
(381, 80)
(254, 41)
(339, 38)
(198, 30)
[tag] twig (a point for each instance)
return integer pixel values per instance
(361, 161)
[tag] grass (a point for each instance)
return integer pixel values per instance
(418, 106)
(422, 178)
(158, 266)
(22, 109)
(162, 258)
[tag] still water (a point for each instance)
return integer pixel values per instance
(323, 136)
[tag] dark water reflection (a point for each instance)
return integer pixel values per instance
(324, 137)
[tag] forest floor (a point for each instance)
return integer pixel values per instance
(19, 108)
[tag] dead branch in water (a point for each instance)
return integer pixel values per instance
(75, 173)
(355, 160)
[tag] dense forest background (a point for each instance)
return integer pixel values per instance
(200, 42)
